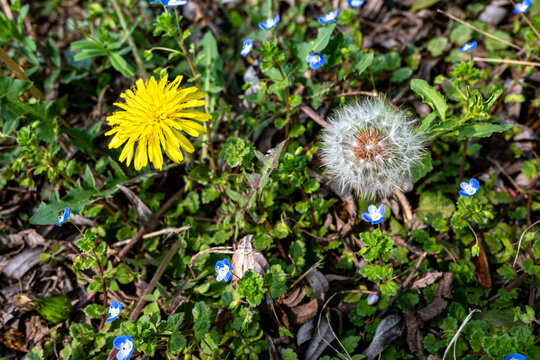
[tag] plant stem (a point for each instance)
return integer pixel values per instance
(213, 159)
(19, 73)
(463, 158)
(103, 285)
(287, 107)
(131, 42)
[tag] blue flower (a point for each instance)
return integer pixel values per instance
(246, 47)
(470, 188)
(328, 18)
(125, 347)
(269, 24)
(224, 270)
(315, 61)
(64, 217)
(374, 215)
(356, 3)
(520, 9)
(114, 310)
(515, 357)
(468, 47)
(170, 3)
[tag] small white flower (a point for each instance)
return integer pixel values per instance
(370, 149)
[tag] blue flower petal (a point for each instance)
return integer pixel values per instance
(316, 60)
(270, 23)
(468, 47)
(64, 217)
(382, 209)
(515, 357)
(118, 342)
(366, 217)
(115, 305)
(378, 221)
(356, 3)
(226, 262)
(246, 47)
(463, 193)
(219, 265)
(474, 183)
(228, 277)
(522, 7)
(328, 18)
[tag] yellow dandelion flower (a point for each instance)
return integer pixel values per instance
(152, 116)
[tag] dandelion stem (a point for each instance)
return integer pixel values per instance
(18, 72)
(131, 42)
(178, 38)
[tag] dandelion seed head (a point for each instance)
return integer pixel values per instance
(370, 149)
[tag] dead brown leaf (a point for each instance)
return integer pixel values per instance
(429, 279)
(415, 337)
(303, 313)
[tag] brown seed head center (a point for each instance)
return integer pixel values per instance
(371, 146)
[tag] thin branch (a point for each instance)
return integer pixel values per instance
(479, 30)
(506, 61)
(19, 73)
(521, 238)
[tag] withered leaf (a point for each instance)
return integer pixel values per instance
(415, 337)
(318, 284)
(389, 329)
(247, 258)
(429, 279)
(303, 313)
(295, 297)
(322, 336)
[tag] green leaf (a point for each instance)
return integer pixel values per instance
(250, 286)
(177, 343)
(363, 64)
(118, 62)
(431, 96)
(422, 4)
(201, 318)
(95, 311)
(289, 354)
(276, 279)
(317, 45)
(436, 45)
(480, 130)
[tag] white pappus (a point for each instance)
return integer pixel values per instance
(370, 149)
